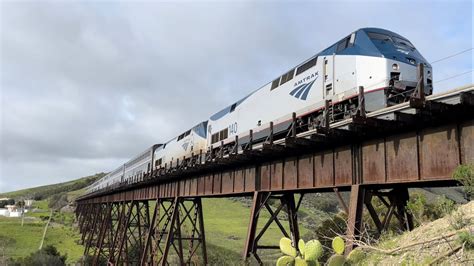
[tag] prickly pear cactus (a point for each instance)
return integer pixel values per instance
(285, 261)
(338, 245)
(301, 247)
(300, 262)
(313, 250)
(286, 247)
(355, 256)
(312, 263)
(336, 260)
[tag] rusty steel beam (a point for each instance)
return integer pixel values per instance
(102, 232)
(354, 222)
(341, 201)
(147, 257)
(170, 234)
(122, 234)
(260, 202)
(413, 158)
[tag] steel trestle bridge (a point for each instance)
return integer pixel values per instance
(381, 154)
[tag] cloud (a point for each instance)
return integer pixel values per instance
(85, 86)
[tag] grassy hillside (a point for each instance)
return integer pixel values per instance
(43, 192)
(20, 238)
(448, 241)
(18, 241)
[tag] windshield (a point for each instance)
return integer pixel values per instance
(379, 36)
(403, 42)
(382, 38)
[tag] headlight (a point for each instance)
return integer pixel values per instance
(395, 67)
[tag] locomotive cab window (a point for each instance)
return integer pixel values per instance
(343, 44)
(403, 42)
(379, 36)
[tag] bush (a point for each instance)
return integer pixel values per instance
(466, 239)
(458, 220)
(465, 175)
(3, 203)
(47, 256)
(416, 206)
(329, 229)
(423, 211)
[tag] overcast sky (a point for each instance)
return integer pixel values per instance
(87, 85)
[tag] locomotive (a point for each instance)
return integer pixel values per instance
(383, 62)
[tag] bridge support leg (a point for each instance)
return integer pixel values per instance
(354, 223)
(394, 200)
(87, 221)
(177, 228)
(261, 202)
(92, 228)
(134, 233)
(124, 210)
(101, 250)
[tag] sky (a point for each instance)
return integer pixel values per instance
(85, 85)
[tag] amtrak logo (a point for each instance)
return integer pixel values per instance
(186, 144)
(301, 92)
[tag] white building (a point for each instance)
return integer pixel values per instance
(11, 208)
(15, 214)
(4, 212)
(28, 203)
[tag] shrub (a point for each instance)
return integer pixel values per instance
(6, 202)
(416, 206)
(49, 255)
(466, 239)
(330, 228)
(465, 175)
(423, 211)
(458, 220)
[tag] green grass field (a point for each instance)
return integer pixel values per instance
(27, 238)
(225, 222)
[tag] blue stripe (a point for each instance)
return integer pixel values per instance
(297, 95)
(292, 93)
(306, 91)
